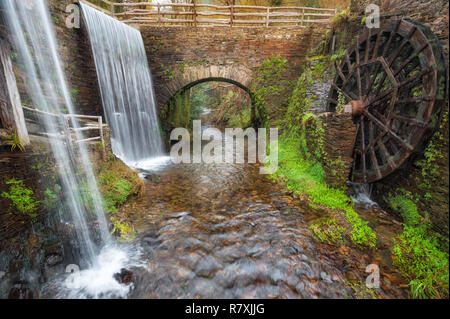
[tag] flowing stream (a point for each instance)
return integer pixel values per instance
(203, 230)
(126, 87)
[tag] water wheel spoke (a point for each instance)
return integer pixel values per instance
(410, 120)
(340, 73)
(385, 153)
(385, 128)
(402, 45)
(349, 64)
(391, 37)
(374, 160)
(412, 57)
(410, 81)
(377, 45)
(392, 104)
(366, 52)
(372, 138)
(348, 97)
(363, 148)
(415, 100)
(330, 100)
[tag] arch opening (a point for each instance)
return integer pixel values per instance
(217, 101)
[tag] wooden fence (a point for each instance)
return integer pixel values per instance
(68, 131)
(192, 14)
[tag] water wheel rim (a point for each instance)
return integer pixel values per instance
(384, 51)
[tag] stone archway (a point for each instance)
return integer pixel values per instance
(192, 75)
(239, 76)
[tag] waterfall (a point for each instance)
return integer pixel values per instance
(33, 38)
(126, 87)
(362, 195)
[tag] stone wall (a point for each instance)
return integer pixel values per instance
(76, 58)
(339, 140)
(179, 56)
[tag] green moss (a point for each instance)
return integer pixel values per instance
(417, 252)
(269, 85)
(177, 112)
(122, 230)
(117, 183)
(51, 198)
(115, 190)
(429, 165)
(22, 197)
(407, 208)
(327, 230)
(361, 291)
(420, 259)
(307, 177)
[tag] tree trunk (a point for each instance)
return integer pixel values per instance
(11, 112)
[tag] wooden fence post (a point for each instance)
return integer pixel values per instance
(159, 14)
(100, 127)
(303, 17)
(112, 9)
(11, 112)
(267, 16)
(68, 137)
(194, 15)
(231, 15)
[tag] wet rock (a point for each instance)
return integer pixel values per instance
(325, 277)
(53, 260)
(207, 267)
(178, 215)
(20, 291)
(125, 276)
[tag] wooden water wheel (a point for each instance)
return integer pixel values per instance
(392, 77)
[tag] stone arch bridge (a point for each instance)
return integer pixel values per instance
(181, 57)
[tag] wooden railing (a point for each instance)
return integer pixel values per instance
(215, 15)
(68, 131)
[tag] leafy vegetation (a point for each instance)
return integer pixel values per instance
(117, 183)
(50, 200)
(122, 229)
(300, 152)
(22, 197)
(429, 165)
(15, 141)
(327, 230)
(417, 252)
(306, 177)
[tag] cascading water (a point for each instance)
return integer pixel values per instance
(361, 195)
(34, 41)
(126, 88)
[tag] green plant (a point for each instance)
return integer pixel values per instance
(307, 177)
(417, 252)
(115, 190)
(15, 141)
(22, 197)
(419, 258)
(74, 94)
(122, 229)
(327, 230)
(50, 200)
